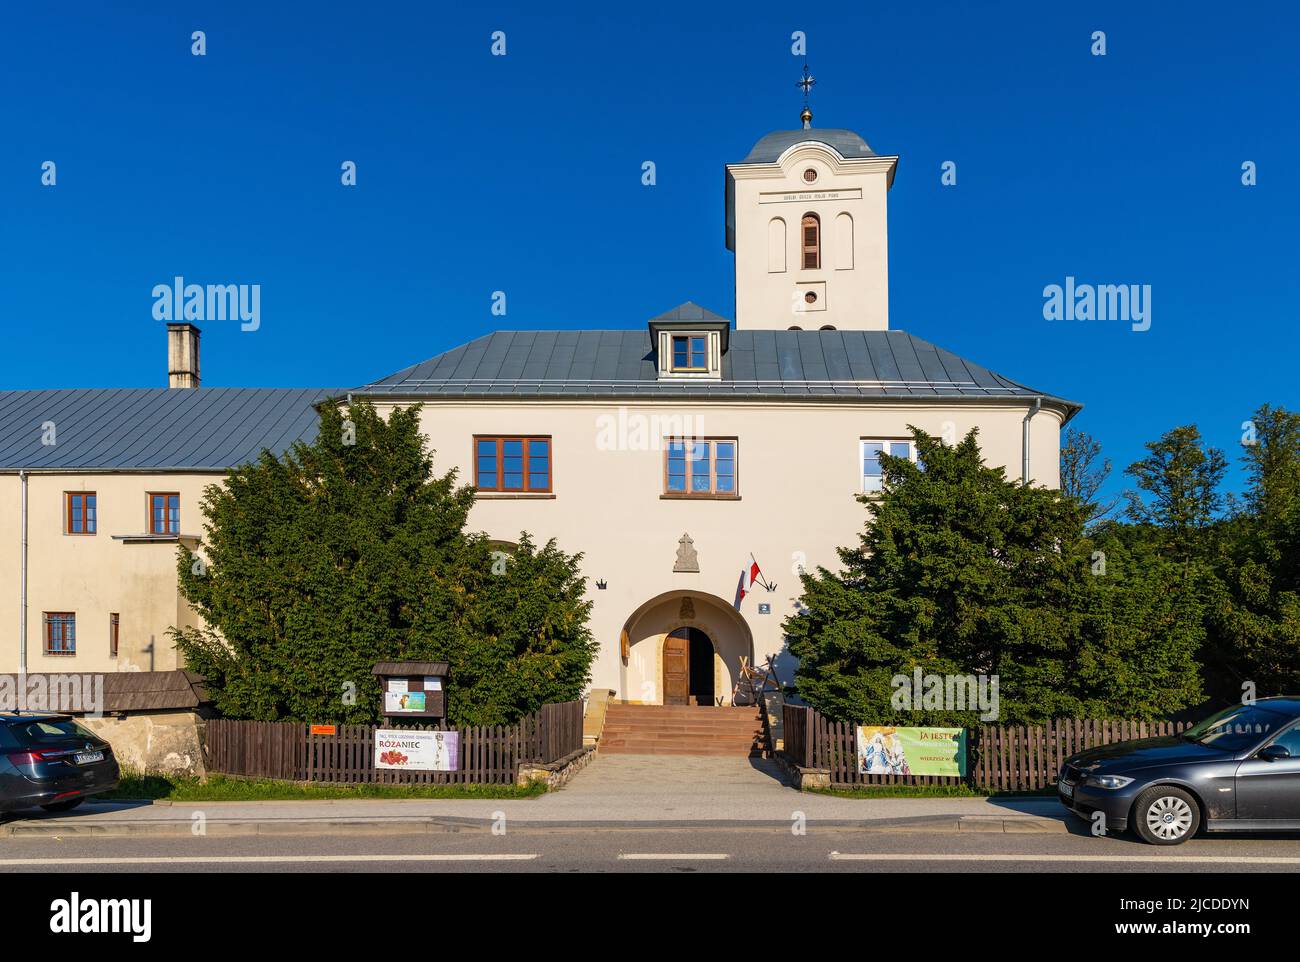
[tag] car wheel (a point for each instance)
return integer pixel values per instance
(64, 806)
(1164, 815)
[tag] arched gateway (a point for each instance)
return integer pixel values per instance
(684, 648)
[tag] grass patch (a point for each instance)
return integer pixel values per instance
(220, 788)
(926, 791)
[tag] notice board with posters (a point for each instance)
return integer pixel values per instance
(890, 750)
(413, 689)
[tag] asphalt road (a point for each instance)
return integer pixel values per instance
(680, 850)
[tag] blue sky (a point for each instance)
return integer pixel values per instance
(523, 174)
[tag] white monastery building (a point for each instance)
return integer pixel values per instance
(672, 453)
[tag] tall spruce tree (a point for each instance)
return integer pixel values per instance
(962, 571)
(352, 550)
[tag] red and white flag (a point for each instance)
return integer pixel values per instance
(749, 577)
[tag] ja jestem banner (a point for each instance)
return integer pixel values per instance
(888, 750)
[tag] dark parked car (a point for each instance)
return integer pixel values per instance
(51, 761)
(1238, 770)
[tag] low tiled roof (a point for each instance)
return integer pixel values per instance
(158, 429)
(123, 690)
(791, 365)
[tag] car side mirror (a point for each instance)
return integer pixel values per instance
(1274, 752)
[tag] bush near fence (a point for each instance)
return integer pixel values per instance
(1000, 758)
(488, 754)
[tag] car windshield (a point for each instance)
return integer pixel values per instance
(48, 730)
(1235, 728)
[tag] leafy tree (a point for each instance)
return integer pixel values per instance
(352, 550)
(1255, 622)
(961, 571)
(1084, 472)
(1180, 478)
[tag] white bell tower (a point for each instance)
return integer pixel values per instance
(806, 219)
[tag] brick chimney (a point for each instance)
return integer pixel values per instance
(182, 355)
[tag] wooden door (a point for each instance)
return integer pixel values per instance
(677, 670)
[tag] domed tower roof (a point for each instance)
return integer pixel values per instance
(844, 142)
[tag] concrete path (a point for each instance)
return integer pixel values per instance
(614, 790)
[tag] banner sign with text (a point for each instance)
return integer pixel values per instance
(417, 751)
(887, 750)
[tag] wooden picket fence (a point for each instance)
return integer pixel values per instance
(488, 754)
(1002, 758)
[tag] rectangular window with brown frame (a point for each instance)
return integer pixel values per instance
(114, 625)
(690, 352)
(79, 512)
(513, 464)
(164, 513)
(60, 633)
(700, 468)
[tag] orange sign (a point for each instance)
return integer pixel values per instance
(324, 729)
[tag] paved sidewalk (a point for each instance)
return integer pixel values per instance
(615, 790)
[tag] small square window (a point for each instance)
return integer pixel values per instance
(873, 478)
(690, 352)
(79, 512)
(60, 633)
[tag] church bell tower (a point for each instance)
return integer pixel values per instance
(806, 219)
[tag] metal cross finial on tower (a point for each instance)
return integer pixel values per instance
(807, 82)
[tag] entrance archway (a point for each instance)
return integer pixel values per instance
(688, 667)
(647, 641)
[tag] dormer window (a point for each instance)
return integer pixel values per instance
(688, 343)
(812, 242)
(690, 353)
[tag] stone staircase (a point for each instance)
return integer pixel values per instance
(681, 730)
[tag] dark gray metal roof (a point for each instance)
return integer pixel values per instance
(792, 365)
(689, 311)
(153, 428)
(771, 146)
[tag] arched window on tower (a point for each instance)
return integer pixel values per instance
(776, 246)
(812, 242)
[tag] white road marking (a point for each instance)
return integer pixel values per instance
(1213, 859)
(672, 857)
(263, 859)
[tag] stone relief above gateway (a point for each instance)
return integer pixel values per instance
(687, 560)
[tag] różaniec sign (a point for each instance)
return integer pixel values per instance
(889, 750)
(417, 751)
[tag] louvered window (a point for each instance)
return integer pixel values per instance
(812, 242)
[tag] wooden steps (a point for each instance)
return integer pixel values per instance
(681, 730)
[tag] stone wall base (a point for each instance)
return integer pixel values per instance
(154, 743)
(803, 778)
(557, 773)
